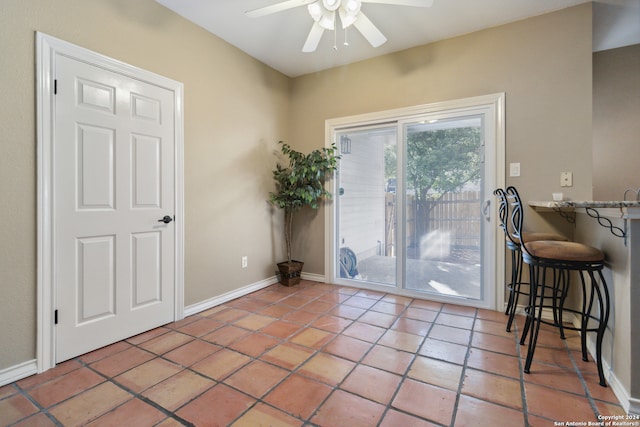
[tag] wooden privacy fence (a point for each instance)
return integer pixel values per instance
(455, 213)
(459, 214)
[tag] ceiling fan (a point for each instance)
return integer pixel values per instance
(323, 13)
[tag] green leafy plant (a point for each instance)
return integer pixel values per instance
(301, 183)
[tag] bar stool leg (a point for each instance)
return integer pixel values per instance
(530, 309)
(533, 323)
(559, 296)
(603, 319)
(516, 281)
(511, 286)
(586, 312)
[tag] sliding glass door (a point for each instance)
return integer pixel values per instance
(367, 205)
(411, 212)
(443, 225)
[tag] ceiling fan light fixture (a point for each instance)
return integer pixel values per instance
(349, 12)
(328, 20)
(352, 6)
(315, 10)
(331, 4)
(323, 17)
(347, 19)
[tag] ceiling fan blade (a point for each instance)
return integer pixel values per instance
(414, 3)
(369, 31)
(314, 38)
(278, 7)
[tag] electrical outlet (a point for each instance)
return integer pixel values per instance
(566, 179)
(514, 169)
(245, 262)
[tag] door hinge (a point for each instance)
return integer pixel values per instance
(55, 317)
(55, 87)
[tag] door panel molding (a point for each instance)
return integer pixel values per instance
(47, 48)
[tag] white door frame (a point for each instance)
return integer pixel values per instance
(47, 49)
(495, 103)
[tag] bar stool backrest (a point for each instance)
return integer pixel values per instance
(505, 218)
(516, 217)
(503, 208)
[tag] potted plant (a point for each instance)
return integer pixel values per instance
(300, 184)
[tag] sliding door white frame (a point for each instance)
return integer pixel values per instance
(492, 108)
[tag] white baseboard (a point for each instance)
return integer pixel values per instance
(313, 277)
(221, 299)
(18, 372)
(634, 406)
(245, 290)
(628, 403)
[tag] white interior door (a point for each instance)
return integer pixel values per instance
(113, 183)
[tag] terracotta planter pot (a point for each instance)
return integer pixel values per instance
(290, 272)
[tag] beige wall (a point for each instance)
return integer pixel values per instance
(543, 65)
(235, 111)
(616, 123)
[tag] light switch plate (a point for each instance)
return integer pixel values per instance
(514, 169)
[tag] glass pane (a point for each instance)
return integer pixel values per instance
(366, 205)
(443, 178)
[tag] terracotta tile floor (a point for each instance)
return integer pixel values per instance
(318, 355)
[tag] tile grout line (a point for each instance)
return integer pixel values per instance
(139, 395)
(41, 409)
(221, 381)
(404, 376)
(217, 382)
(337, 386)
(172, 414)
(255, 308)
(359, 362)
(388, 406)
(317, 351)
(257, 358)
(464, 370)
(588, 395)
(523, 391)
(289, 374)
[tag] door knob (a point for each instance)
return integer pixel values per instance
(166, 219)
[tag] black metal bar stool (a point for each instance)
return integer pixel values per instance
(562, 258)
(513, 243)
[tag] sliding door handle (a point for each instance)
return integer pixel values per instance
(485, 210)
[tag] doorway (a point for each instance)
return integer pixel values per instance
(412, 207)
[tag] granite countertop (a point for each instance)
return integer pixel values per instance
(585, 204)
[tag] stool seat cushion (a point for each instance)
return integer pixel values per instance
(533, 237)
(564, 251)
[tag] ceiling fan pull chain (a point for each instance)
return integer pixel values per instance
(335, 33)
(346, 42)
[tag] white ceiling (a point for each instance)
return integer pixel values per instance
(277, 39)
